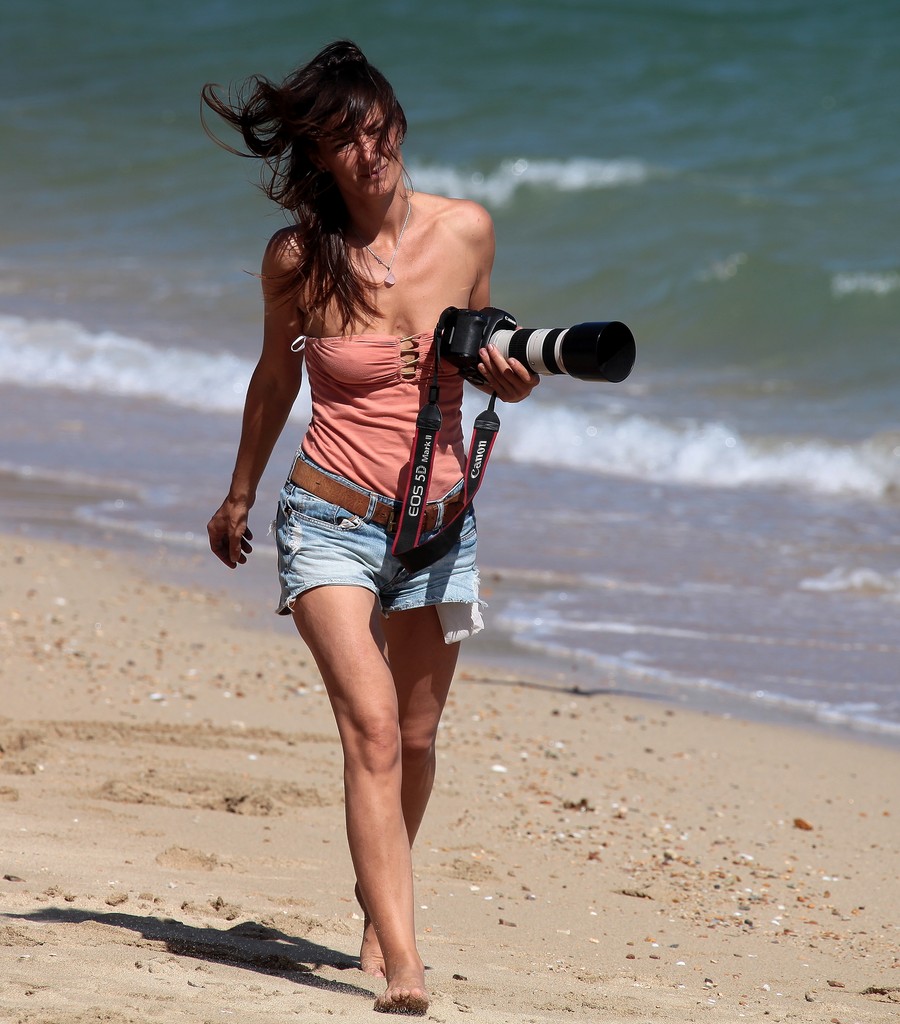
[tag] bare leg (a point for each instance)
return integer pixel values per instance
(371, 959)
(422, 666)
(342, 629)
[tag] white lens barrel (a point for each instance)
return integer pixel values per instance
(540, 349)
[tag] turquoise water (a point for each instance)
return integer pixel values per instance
(720, 176)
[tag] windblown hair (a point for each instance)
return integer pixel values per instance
(334, 98)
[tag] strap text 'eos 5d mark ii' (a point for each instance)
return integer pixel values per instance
(409, 549)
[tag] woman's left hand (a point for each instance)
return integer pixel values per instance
(512, 380)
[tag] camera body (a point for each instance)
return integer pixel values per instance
(601, 350)
(460, 333)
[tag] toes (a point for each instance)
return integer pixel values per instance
(413, 1002)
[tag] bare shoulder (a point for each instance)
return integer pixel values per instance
(467, 220)
(471, 217)
(282, 285)
(282, 294)
(282, 253)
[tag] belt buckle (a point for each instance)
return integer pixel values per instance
(429, 515)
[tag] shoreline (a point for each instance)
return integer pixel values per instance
(37, 508)
(173, 840)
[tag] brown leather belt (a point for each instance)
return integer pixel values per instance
(385, 513)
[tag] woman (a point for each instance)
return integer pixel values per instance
(354, 288)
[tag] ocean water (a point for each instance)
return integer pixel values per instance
(722, 176)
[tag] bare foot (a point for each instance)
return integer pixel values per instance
(371, 959)
(405, 993)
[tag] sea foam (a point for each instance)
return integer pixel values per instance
(709, 454)
(864, 283)
(500, 185)
(64, 354)
(861, 580)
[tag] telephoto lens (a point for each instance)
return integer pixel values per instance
(602, 350)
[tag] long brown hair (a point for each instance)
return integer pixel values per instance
(335, 96)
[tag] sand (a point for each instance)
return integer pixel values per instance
(172, 846)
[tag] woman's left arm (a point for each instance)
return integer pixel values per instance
(510, 379)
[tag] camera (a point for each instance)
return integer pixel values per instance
(602, 350)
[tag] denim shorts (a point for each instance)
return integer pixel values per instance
(321, 544)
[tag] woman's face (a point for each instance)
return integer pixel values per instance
(358, 164)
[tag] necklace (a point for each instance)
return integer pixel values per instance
(390, 279)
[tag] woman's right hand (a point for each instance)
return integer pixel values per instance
(229, 535)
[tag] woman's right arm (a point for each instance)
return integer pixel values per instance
(270, 397)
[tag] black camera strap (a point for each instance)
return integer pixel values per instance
(408, 548)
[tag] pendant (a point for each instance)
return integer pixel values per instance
(390, 279)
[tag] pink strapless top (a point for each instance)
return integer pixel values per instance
(366, 392)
